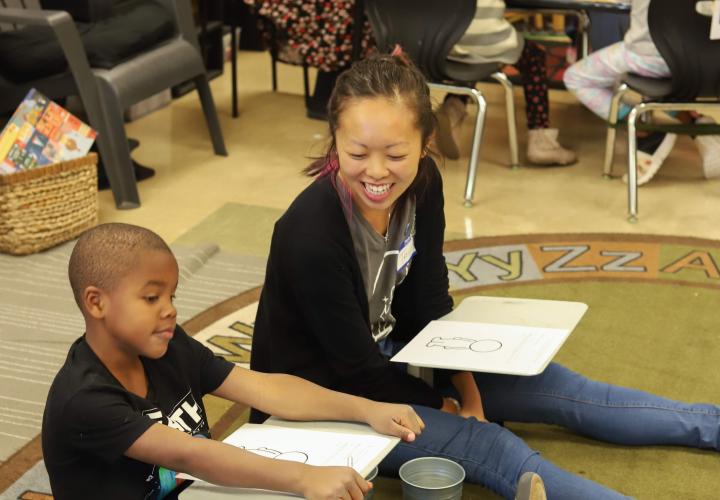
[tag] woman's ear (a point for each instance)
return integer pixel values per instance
(94, 301)
(426, 146)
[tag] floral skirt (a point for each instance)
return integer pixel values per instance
(316, 32)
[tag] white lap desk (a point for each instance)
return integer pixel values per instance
(508, 311)
(200, 490)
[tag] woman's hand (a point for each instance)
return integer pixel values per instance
(473, 411)
(451, 405)
(394, 420)
(331, 483)
(472, 405)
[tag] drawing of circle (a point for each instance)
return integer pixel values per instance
(293, 456)
(486, 345)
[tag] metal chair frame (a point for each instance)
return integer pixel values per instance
(637, 113)
(679, 33)
(479, 100)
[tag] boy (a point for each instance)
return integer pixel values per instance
(123, 412)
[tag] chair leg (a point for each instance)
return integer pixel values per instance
(273, 70)
(632, 166)
(114, 150)
(585, 34)
(477, 140)
(612, 130)
(233, 56)
(211, 117)
(306, 82)
(511, 121)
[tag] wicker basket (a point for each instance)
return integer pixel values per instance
(48, 205)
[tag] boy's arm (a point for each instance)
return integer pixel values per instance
(227, 465)
(294, 398)
(469, 395)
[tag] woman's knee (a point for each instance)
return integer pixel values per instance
(490, 454)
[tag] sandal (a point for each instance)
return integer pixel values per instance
(649, 164)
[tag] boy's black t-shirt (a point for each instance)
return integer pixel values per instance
(90, 420)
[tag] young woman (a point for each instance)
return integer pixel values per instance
(356, 269)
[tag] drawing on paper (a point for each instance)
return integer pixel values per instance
(475, 345)
(293, 456)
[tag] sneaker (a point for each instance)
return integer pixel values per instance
(544, 149)
(709, 148)
(530, 487)
(652, 150)
(450, 116)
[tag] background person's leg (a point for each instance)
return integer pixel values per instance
(533, 71)
(542, 147)
(709, 149)
(450, 116)
(592, 79)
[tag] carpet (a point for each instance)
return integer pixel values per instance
(651, 325)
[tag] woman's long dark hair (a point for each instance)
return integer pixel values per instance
(393, 77)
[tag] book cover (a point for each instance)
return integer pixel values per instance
(41, 132)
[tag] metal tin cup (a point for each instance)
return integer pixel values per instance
(432, 478)
(371, 477)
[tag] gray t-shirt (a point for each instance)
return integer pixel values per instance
(384, 261)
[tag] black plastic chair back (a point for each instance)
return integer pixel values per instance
(682, 36)
(425, 29)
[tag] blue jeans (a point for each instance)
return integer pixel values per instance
(494, 457)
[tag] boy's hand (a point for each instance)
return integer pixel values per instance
(395, 420)
(331, 483)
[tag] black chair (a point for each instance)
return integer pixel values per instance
(682, 36)
(427, 30)
(106, 80)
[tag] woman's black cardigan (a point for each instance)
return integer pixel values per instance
(312, 319)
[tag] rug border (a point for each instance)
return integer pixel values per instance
(464, 244)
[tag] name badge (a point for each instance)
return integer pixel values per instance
(406, 253)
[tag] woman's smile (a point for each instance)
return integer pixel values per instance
(377, 192)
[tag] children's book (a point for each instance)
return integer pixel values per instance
(41, 132)
(495, 335)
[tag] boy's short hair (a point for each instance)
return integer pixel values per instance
(105, 253)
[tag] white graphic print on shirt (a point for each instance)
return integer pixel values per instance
(186, 416)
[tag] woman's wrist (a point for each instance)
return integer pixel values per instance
(451, 405)
(364, 410)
